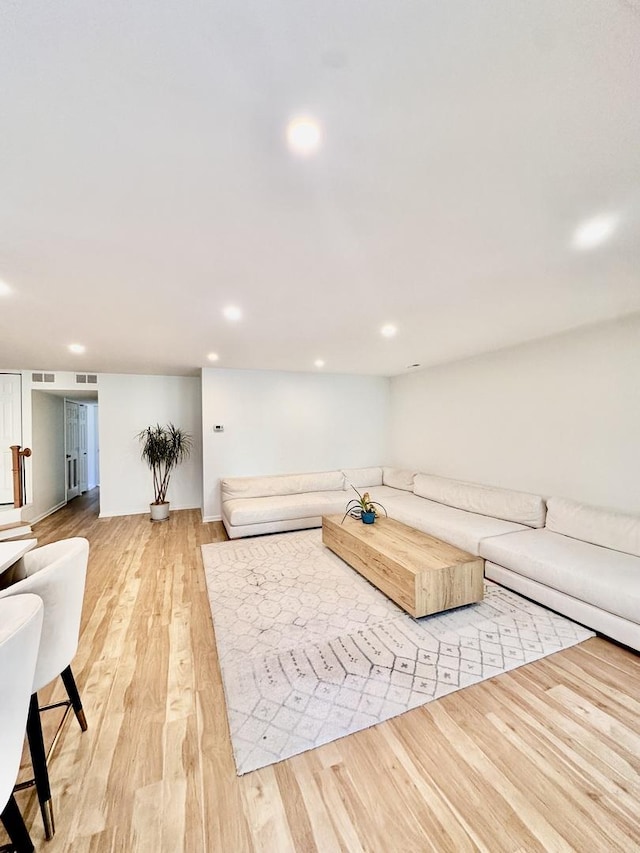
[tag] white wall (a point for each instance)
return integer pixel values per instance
(557, 417)
(280, 422)
(47, 461)
(93, 464)
(127, 405)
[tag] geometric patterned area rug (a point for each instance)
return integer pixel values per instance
(310, 651)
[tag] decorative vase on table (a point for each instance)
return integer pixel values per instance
(363, 508)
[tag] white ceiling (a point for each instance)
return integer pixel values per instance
(145, 183)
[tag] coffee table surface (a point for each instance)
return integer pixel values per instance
(10, 552)
(419, 572)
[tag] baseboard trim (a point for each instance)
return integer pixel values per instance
(207, 518)
(120, 512)
(46, 513)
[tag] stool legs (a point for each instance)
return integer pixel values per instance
(16, 830)
(39, 762)
(72, 692)
(38, 753)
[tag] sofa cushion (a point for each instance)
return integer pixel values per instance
(283, 484)
(269, 527)
(464, 529)
(240, 511)
(398, 478)
(382, 494)
(604, 527)
(607, 579)
(520, 507)
(362, 477)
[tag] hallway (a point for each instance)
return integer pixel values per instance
(77, 514)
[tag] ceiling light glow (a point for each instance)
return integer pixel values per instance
(319, 362)
(388, 330)
(78, 349)
(213, 356)
(232, 313)
(595, 231)
(304, 135)
(5, 290)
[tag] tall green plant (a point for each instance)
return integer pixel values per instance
(164, 447)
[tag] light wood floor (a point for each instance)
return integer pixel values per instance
(546, 758)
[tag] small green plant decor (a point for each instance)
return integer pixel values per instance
(363, 508)
(163, 448)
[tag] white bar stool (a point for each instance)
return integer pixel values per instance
(56, 573)
(20, 628)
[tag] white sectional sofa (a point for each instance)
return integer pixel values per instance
(255, 505)
(463, 514)
(579, 560)
(585, 563)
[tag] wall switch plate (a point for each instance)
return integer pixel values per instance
(218, 428)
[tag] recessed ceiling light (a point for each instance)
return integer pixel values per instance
(213, 356)
(319, 362)
(304, 135)
(5, 290)
(232, 313)
(595, 231)
(388, 331)
(77, 348)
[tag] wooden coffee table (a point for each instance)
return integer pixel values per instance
(422, 574)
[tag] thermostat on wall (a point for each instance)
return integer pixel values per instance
(218, 428)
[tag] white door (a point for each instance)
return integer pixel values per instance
(10, 430)
(83, 475)
(72, 449)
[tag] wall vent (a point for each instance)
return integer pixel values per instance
(86, 378)
(43, 377)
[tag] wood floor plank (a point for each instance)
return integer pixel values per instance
(296, 812)
(481, 765)
(575, 742)
(556, 790)
(416, 826)
(449, 832)
(546, 757)
(321, 820)
(265, 810)
(351, 838)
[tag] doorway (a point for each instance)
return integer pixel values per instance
(61, 451)
(82, 466)
(72, 449)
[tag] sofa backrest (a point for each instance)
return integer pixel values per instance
(361, 478)
(605, 527)
(281, 484)
(398, 478)
(520, 507)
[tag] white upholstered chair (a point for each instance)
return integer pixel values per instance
(56, 573)
(20, 627)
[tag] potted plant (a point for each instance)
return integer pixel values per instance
(363, 508)
(163, 447)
